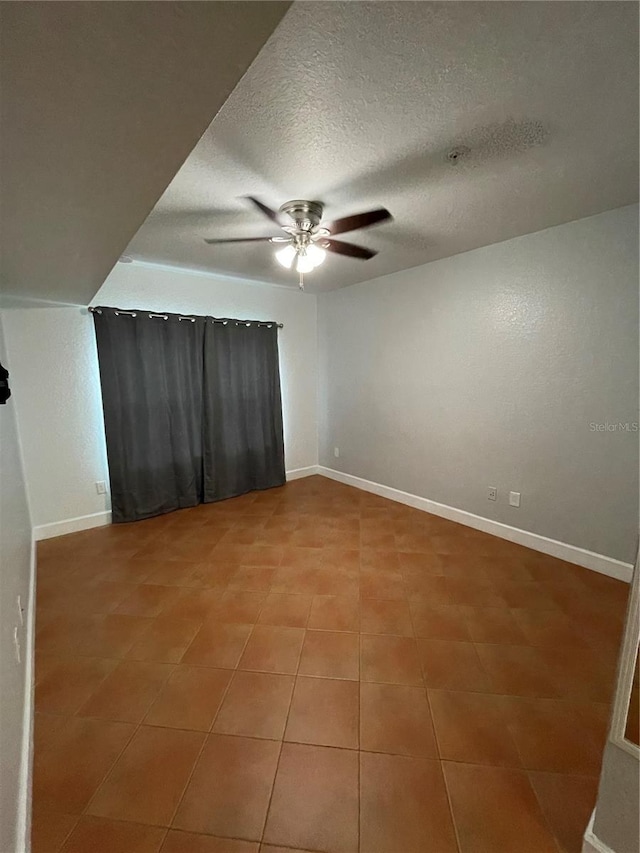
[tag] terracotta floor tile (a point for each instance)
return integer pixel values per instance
(127, 692)
(256, 705)
(392, 660)
(529, 596)
(69, 766)
(214, 576)
(567, 803)
(393, 792)
(218, 644)
(419, 563)
(308, 538)
(171, 548)
(474, 592)
(269, 848)
(485, 801)
(548, 628)
(580, 673)
(290, 611)
(343, 582)
(372, 559)
(68, 682)
(516, 670)
(147, 781)
(82, 594)
(194, 603)
(103, 636)
(295, 580)
(330, 655)
(261, 601)
(99, 835)
(189, 842)
(385, 585)
(169, 572)
(262, 555)
(190, 699)
(297, 557)
(335, 613)
(49, 830)
(325, 712)
(472, 727)
(125, 571)
(452, 666)
(148, 600)
(47, 729)
(236, 605)
(385, 617)
(252, 578)
(273, 649)
(233, 803)
(493, 625)
(432, 589)
(165, 640)
(551, 735)
(438, 622)
(315, 800)
(396, 719)
(341, 558)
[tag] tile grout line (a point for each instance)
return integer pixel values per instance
(282, 742)
(200, 751)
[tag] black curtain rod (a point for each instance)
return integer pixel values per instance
(160, 316)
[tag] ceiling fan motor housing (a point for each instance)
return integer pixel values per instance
(305, 214)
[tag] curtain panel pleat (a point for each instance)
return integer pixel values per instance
(243, 436)
(192, 410)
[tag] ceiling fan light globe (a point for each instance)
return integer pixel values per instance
(286, 256)
(305, 264)
(316, 254)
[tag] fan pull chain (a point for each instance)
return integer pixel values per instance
(301, 282)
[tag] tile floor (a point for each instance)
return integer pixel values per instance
(316, 668)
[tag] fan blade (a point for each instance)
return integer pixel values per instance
(358, 220)
(349, 249)
(241, 240)
(273, 216)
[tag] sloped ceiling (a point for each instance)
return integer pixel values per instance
(101, 102)
(357, 104)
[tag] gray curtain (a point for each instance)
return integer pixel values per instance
(192, 410)
(243, 442)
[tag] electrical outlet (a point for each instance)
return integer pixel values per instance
(492, 493)
(514, 498)
(101, 487)
(336, 452)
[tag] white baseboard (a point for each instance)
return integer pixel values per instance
(591, 843)
(71, 525)
(23, 839)
(571, 553)
(561, 550)
(298, 473)
(100, 519)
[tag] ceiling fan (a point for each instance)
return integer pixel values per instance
(307, 240)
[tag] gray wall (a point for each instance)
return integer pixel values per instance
(617, 814)
(15, 554)
(487, 369)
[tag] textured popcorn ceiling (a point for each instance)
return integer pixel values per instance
(358, 104)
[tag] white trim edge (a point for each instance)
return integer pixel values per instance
(100, 519)
(590, 842)
(23, 839)
(561, 550)
(298, 473)
(71, 525)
